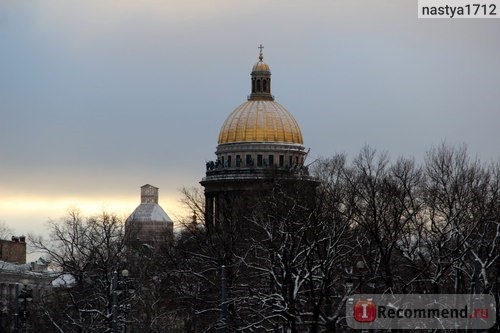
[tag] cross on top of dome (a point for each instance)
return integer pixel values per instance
(261, 79)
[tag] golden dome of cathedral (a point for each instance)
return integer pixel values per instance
(260, 119)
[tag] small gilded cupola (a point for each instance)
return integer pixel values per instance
(261, 80)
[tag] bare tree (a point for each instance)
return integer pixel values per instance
(87, 252)
(288, 257)
(376, 226)
(5, 231)
(383, 201)
(462, 204)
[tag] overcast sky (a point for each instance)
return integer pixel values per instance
(98, 97)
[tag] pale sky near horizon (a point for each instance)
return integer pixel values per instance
(99, 97)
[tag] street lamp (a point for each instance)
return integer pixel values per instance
(349, 284)
(23, 296)
(223, 298)
(360, 265)
(125, 273)
(128, 285)
(119, 284)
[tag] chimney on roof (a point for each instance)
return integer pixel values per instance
(22, 239)
(149, 194)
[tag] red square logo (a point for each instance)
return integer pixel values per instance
(365, 311)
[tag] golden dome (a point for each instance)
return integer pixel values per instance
(260, 121)
(261, 67)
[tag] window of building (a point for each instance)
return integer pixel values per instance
(222, 161)
(296, 160)
(249, 160)
(290, 162)
(259, 160)
(238, 161)
(271, 160)
(228, 161)
(282, 160)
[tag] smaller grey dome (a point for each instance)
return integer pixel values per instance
(149, 212)
(149, 223)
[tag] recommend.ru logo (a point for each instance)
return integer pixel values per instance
(421, 311)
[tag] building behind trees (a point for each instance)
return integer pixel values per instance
(148, 223)
(280, 244)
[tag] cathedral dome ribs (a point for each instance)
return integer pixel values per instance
(260, 121)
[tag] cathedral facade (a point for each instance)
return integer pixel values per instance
(259, 144)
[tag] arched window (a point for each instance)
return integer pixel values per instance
(258, 86)
(253, 85)
(264, 85)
